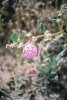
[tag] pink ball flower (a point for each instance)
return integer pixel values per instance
(32, 71)
(30, 50)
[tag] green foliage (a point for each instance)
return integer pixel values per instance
(24, 33)
(6, 94)
(18, 50)
(15, 37)
(62, 53)
(42, 28)
(40, 70)
(65, 21)
(57, 20)
(62, 9)
(53, 65)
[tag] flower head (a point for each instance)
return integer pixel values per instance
(32, 71)
(30, 50)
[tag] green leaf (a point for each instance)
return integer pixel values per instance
(24, 33)
(65, 21)
(42, 28)
(40, 70)
(62, 53)
(18, 50)
(57, 20)
(15, 37)
(49, 72)
(52, 66)
(62, 9)
(6, 94)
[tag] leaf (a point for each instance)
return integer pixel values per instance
(24, 33)
(53, 65)
(18, 50)
(62, 9)
(49, 72)
(5, 94)
(62, 53)
(15, 37)
(42, 28)
(39, 68)
(57, 20)
(65, 21)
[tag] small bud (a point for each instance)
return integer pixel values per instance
(20, 45)
(7, 46)
(65, 45)
(32, 71)
(34, 38)
(29, 34)
(54, 40)
(56, 77)
(48, 36)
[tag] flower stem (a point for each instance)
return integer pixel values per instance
(54, 34)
